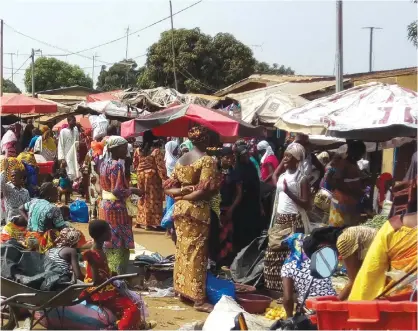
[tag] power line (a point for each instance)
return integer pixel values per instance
(195, 79)
(136, 31)
(50, 45)
(20, 67)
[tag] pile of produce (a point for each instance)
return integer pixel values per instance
(376, 222)
(275, 313)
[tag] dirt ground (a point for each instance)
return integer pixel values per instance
(169, 313)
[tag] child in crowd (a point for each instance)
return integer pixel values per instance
(64, 186)
(97, 271)
(94, 195)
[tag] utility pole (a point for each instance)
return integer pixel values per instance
(11, 59)
(1, 58)
(339, 85)
(371, 28)
(127, 42)
(92, 74)
(172, 47)
(32, 55)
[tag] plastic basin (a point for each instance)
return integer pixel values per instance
(244, 289)
(254, 303)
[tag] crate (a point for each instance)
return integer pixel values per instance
(46, 167)
(332, 314)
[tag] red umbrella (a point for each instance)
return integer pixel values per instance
(176, 121)
(22, 104)
(84, 122)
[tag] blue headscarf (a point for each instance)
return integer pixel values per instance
(295, 243)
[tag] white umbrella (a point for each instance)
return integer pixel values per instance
(370, 112)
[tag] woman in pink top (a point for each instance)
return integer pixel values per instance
(268, 161)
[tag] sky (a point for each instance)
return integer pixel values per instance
(299, 34)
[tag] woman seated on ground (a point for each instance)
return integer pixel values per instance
(351, 243)
(296, 276)
(97, 272)
(42, 216)
(393, 249)
(65, 254)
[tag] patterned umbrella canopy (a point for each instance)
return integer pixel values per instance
(370, 112)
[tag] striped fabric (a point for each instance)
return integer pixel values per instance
(355, 239)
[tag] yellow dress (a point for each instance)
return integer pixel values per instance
(191, 222)
(390, 251)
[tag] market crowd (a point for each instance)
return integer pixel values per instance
(214, 201)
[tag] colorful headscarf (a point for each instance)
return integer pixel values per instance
(9, 165)
(115, 141)
(198, 135)
(295, 243)
(264, 145)
(68, 237)
(296, 150)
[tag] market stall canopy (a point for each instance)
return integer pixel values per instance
(83, 120)
(369, 112)
(267, 104)
(22, 104)
(176, 122)
(327, 142)
(112, 108)
(105, 96)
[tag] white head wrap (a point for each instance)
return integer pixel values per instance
(170, 159)
(296, 150)
(264, 145)
(115, 141)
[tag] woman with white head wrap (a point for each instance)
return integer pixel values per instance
(171, 156)
(115, 193)
(268, 161)
(289, 212)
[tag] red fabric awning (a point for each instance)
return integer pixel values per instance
(84, 122)
(22, 104)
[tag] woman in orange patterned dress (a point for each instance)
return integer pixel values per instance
(151, 172)
(192, 184)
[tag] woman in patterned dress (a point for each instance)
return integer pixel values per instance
(292, 198)
(193, 184)
(115, 191)
(151, 172)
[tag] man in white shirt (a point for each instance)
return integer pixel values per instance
(67, 148)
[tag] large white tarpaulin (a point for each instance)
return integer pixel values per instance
(267, 104)
(370, 112)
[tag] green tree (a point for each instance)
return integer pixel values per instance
(204, 64)
(51, 73)
(265, 68)
(412, 30)
(10, 87)
(120, 75)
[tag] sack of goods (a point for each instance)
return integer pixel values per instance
(323, 199)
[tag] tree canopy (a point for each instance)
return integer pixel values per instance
(412, 30)
(265, 68)
(204, 64)
(119, 76)
(10, 87)
(51, 73)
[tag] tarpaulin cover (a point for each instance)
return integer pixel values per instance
(22, 104)
(176, 122)
(370, 112)
(111, 95)
(32, 269)
(248, 265)
(112, 108)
